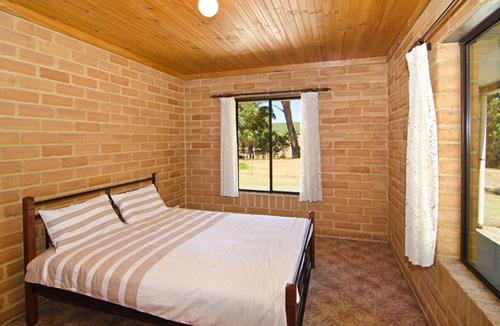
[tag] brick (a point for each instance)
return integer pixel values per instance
(54, 50)
(18, 95)
(53, 74)
(97, 181)
(84, 59)
(19, 124)
(40, 191)
(84, 126)
(36, 57)
(119, 80)
(118, 60)
(70, 114)
(109, 67)
(38, 138)
(11, 153)
(111, 148)
(57, 100)
(98, 74)
(68, 42)
(57, 150)
(74, 162)
(350, 226)
(10, 167)
(358, 69)
(35, 83)
(40, 111)
(55, 125)
(56, 176)
(97, 116)
(16, 66)
(41, 164)
(9, 138)
(72, 186)
(69, 90)
(10, 36)
(70, 67)
(86, 105)
(72, 138)
(7, 80)
(37, 31)
(84, 81)
(6, 20)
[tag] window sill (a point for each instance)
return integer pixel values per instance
(481, 299)
(274, 193)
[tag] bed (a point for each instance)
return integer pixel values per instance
(188, 267)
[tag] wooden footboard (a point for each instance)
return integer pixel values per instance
(295, 310)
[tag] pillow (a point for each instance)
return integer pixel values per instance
(76, 224)
(139, 204)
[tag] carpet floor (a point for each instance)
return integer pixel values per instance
(354, 283)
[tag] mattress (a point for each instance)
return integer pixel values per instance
(193, 267)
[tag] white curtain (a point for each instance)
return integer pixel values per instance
(422, 183)
(229, 148)
(310, 155)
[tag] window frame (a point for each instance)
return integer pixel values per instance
(269, 99)
(465, 42)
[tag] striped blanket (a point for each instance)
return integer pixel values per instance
(194, 267)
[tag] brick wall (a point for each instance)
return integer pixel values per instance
(73, 116)
(444, 300)
(353, 131)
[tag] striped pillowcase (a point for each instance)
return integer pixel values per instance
(139, 204)
(71, 226)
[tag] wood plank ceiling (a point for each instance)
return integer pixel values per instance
(171, 35)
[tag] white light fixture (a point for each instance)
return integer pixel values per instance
(208, 8)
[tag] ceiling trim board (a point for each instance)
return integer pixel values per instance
(288, 68)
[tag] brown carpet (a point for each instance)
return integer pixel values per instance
(354, 283)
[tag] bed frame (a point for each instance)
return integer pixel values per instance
(294, 310)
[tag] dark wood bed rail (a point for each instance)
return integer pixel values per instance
(294, 310)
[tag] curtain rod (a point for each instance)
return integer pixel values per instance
(321, 89)
(437, 23)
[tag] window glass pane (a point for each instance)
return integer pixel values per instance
(286, 150)
(253, 145)
(484, 156)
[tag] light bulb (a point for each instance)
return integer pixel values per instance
(208, 8)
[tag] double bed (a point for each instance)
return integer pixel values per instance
(188, 267)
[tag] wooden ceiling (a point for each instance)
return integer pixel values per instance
(171, 35)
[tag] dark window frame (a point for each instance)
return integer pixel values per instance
(465, 43)
(269, 99)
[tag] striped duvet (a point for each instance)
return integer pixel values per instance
(194, 267)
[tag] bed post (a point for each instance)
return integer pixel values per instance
(153, 180)
(291, 304)
(313, 249)
(29, 232)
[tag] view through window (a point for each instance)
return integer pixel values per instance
(267, 163)
(483, 165)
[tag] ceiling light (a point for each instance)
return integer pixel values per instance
(208, 8)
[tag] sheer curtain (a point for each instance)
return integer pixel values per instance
(422, 183)
(310, 155)
(229, 148)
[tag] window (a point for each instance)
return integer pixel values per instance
(481, 153)
(268, 144)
